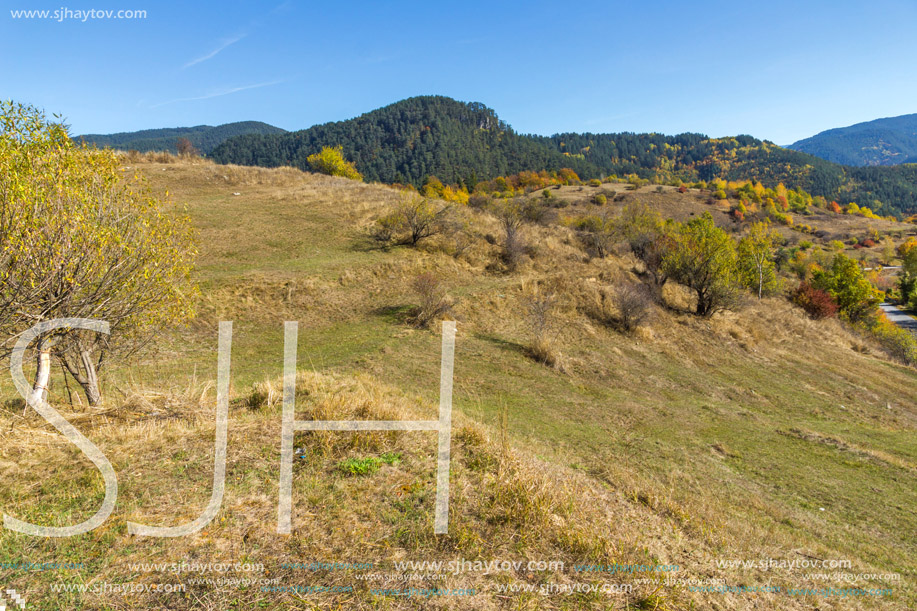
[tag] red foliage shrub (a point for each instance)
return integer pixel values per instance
(816, 302)
(834, 207)
(867, 243)
(682, 189)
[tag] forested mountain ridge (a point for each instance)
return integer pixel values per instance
(463, 143)
(203, 137)
(408, 141)
(888, 141)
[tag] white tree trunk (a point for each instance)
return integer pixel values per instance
(42, 374)
(760, 280)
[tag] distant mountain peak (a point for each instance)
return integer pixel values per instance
(204, 137)
(888, 141)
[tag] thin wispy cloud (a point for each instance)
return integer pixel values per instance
(226, 42)
(283, 7)
(218, 93)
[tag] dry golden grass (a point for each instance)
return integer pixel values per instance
(505, 504)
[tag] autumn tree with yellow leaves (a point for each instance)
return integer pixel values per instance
(79, 239)
(331, 161)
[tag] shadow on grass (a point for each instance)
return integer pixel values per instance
(15, 406)
(366, 243)
(505, 344)
(397, 314)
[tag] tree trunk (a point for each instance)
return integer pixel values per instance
(85, 373)
(760, 281)
(42, 373)
(703, 304)
(90, 381)
(67, 386)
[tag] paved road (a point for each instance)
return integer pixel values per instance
(899, 318)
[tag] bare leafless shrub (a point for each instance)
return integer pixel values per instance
(633, 303)
(186, 148)
(514, 247)
(433, 304)
(623, 306)
(541, 308)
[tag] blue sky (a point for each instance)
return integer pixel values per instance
(776, 70)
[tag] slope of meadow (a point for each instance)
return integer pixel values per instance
(756, 434)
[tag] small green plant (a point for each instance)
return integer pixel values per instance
(652, 602)
(368, 465)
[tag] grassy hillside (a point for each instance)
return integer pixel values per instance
(205, 138)
(881, 142)
(757, 434)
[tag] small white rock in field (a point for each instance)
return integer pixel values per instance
(237, 194)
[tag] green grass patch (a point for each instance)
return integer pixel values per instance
(369, 464)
